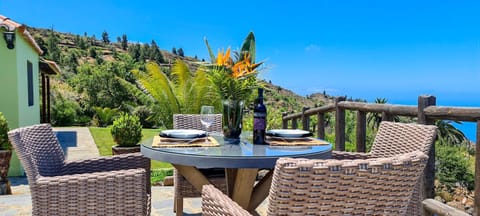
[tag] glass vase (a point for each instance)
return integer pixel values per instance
(232, 118)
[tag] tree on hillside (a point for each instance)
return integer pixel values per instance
(119, 39)
(174, 51)
(99, 87)
(134, 51)
(93, 40)
(105, 38)
(183, 92)
(155, 52)
(145, 52)
(124, 42)
(53, 50)
(92, 52)
(70, 60)
(180, 52)
(41, 43)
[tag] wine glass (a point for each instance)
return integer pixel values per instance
(207, 118)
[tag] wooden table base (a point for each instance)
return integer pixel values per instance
(240, 184)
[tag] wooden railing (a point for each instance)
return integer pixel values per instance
(426, 112)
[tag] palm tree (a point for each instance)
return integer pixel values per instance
(374, 119)
(182, 92)
(449, 134)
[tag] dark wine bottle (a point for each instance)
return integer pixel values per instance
(259, 119)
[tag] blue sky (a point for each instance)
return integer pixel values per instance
(364, 49)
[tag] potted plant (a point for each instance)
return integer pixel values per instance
(5, 156)
(126, 132)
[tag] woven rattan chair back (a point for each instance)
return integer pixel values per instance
(183, 188)
(399, 138)
(395, 138)
(192, 121)
(39, 150)
(118, 185)
(379, 186)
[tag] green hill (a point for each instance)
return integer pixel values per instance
(96, 79)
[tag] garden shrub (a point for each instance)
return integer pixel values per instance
(452, 167)
(64, 112)
(146, 116)
(104, 116)
(4, 142)
(126, 130)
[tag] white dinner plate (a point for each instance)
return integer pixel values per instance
(293, 133)
(183, 133)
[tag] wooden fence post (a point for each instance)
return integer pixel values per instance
(321, 125)
(305, 119)
(425, 101)
(294, 122)
(339, 125)
(361, 131)
(476, 202)
(386, 117)
(284, 121)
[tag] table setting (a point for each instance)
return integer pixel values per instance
(292, 137)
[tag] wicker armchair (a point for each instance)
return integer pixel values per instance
(118, 185)
(395, 138)
(378, 186)
(182, 187)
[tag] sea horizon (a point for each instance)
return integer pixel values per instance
(410, 98)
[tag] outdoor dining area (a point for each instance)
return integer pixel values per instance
(304, 175)
(290, 170)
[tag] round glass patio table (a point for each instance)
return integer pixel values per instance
(241, 160)
(240, 154)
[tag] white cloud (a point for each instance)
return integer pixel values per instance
(312, 47)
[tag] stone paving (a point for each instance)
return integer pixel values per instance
(78, 143)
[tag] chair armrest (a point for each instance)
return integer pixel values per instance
(111, 193)
(109, 163)
(106, 163)
(341, 155)
(215, 203)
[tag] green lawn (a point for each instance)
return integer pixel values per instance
(104, 142)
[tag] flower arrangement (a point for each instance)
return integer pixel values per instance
(235, 78)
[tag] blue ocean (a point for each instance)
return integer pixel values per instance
(468, 128)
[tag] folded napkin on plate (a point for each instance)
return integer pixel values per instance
(174, 142)
(303, 141)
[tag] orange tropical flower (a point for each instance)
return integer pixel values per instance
(224, 59)
(244, 67)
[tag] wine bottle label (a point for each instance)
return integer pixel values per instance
(259, 124)
(259, 115)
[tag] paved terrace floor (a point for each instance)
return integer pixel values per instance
(77, 143)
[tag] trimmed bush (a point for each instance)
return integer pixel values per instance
(4, 142)
(126, 130)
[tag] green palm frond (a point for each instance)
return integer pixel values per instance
(203, 91)
(449, 134)
(141, 96)
(181, 77)
(163, 89)
(160, 88)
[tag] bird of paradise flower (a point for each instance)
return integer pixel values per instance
(235, 77)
